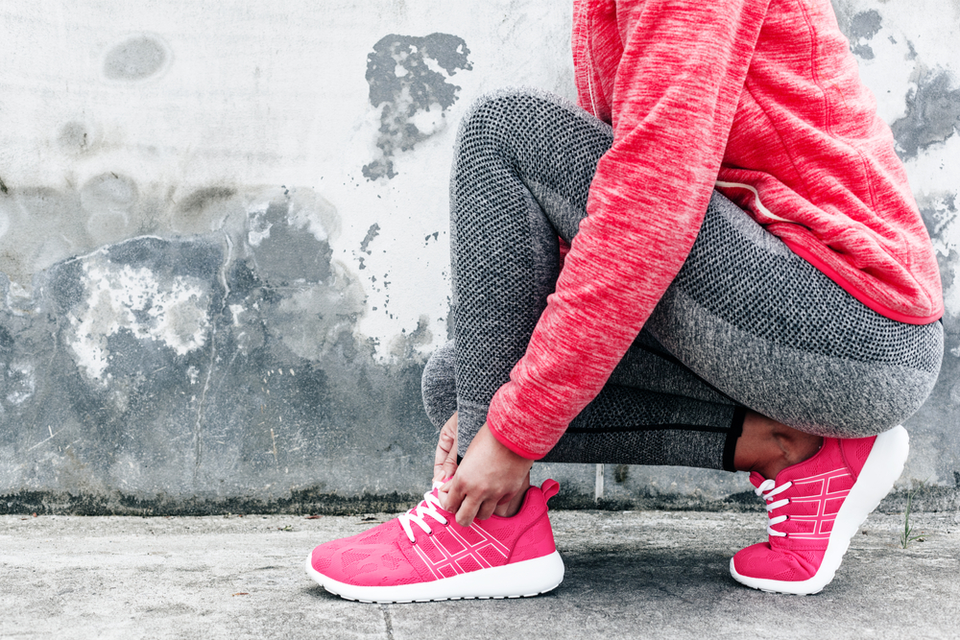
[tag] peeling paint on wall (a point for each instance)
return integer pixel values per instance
(861, 28)
(169, 310)
(408, 84)
(933, 112)
(372, 233)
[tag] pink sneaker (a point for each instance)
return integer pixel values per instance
(425, 555)
(815, 508)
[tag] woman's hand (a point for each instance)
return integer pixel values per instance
(489, 475)
(445, 461)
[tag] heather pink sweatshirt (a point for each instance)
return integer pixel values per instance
(760, 98)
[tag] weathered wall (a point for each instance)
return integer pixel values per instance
(223, 241)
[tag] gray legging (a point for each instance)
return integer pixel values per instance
(745, 324)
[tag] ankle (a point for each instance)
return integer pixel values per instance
(768, 447)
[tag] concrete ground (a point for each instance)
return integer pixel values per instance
(629, 575)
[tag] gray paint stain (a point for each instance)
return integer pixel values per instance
(42, 227)
(205, 208)
(933, 113)
(404, 346)
(933, 107)
(372, 233)
(404, 83)
(939, 211)
(135, 59)
(75, 138)
(911, 52)
(862, 28)
(198, 200)
(287, 253)
(109, 192)
(108, 199)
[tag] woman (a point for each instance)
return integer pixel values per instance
(749, 286)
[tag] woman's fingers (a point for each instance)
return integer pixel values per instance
(441, 465)
(457, 498)
(469, 509)
(451, 496)
(445, 460)
(450, 465)
(487, 508)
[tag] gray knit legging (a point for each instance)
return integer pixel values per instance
(745, 324)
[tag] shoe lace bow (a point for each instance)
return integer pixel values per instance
(767, 490)
(428, 507)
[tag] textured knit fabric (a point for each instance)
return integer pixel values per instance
(760, 95)
(654, 411)
(745, 323)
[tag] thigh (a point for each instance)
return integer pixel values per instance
(769, 330)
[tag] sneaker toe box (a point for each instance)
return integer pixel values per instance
(760, 561)
(364, 565)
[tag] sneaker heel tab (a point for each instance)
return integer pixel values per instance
(549, 489)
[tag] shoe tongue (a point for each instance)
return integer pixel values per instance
(756, 479)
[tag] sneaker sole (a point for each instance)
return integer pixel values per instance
(881, 470)
(518, 580)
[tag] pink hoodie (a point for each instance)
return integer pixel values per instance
(760, 98)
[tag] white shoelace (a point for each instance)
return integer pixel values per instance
(767, 490)
(426, 508)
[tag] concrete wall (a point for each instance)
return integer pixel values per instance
(224, 243)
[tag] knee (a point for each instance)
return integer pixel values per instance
(438, 385)
(500, 104)
(499, 116)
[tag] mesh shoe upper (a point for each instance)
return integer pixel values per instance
(441, 548)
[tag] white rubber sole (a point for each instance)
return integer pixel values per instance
(518, 580)
(882, 468)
